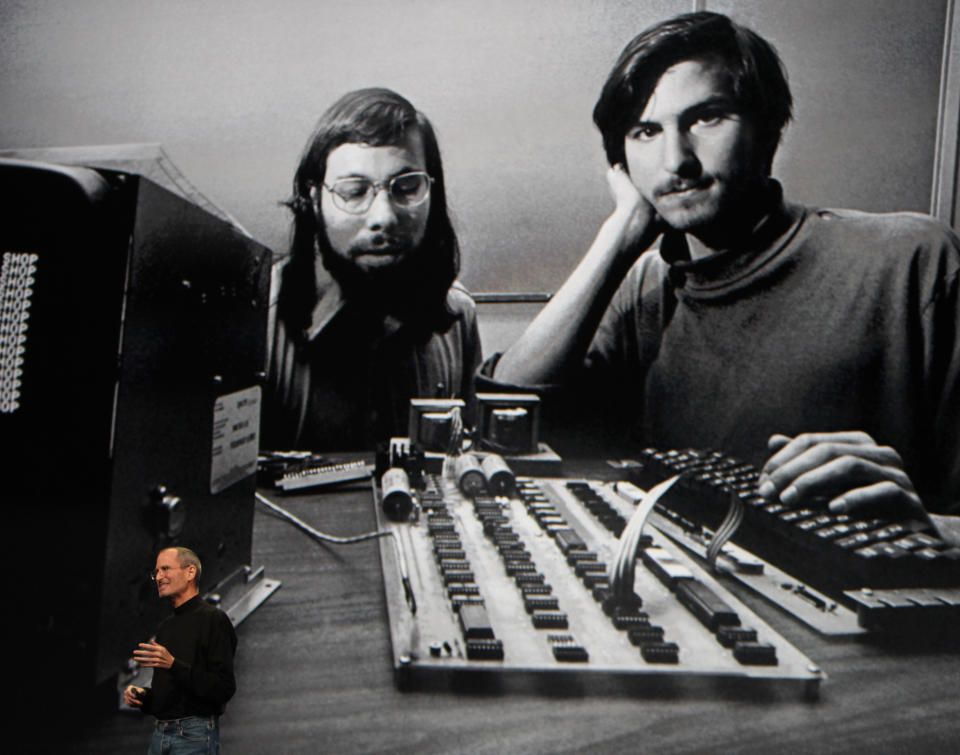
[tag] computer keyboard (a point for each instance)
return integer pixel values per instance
(891, 571)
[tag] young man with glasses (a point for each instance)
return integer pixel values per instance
(192, 661)
(820, 344)
(369, 314)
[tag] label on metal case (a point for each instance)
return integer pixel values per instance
(236, 431)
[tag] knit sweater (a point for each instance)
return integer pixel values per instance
(828, 320)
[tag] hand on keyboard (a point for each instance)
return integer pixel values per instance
(847, 470)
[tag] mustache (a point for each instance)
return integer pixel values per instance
(677, 185)
(380, 242)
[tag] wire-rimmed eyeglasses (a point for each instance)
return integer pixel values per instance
(162, 570)
(356, 195)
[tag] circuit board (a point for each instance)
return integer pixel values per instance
(516, 587)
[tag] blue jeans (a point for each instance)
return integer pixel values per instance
(194, 735)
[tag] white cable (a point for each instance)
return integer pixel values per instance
(622, 569)
(726, 529)
(455, 441)
(317, 535)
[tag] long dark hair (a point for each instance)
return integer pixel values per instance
(760, 86)
(378, 117)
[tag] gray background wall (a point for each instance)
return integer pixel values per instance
(232, 88)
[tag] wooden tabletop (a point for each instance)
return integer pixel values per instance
(314, 672)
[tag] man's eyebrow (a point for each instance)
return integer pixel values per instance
(714, 102)
(399, 172)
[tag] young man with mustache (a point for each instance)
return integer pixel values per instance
(818, 344)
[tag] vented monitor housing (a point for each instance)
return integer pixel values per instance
(132, 341)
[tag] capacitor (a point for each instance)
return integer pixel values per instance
(470, 477)
(500, 480)
(397, 499)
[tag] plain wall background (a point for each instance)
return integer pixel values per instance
(232, 89)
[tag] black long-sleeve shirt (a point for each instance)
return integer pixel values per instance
(202, 642)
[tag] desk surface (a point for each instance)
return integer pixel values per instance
(315, 674)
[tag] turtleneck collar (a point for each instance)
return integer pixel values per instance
(729, 266)
(188, 605)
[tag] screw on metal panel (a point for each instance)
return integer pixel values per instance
(170, 513)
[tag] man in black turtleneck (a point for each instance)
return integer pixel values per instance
(192, 661)
(818, 344)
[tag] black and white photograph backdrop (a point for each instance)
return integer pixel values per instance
(230, 90)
